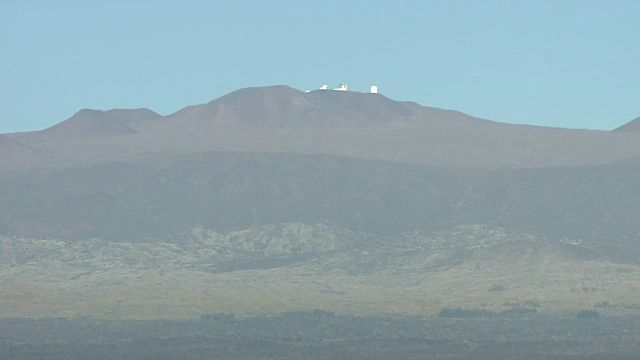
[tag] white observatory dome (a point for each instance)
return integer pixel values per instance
(374, 89)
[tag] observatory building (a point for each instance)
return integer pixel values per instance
(345, 87)
(342, 87)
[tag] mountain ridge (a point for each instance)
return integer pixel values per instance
(277, 106)
(283, 119)
(282, 107)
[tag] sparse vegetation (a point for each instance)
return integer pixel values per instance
(465, 313)
(337, 269)
(604, 304)
(588, 314)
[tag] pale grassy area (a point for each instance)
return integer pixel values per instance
(410, 274)
(180, 293)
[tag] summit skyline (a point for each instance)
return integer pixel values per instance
(561, 64)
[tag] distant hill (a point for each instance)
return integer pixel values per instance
(90, 124)
(631, 126)
(96, 123)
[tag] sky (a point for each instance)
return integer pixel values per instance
(560, 63)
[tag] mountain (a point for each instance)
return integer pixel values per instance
(88, 123)
(278, 107)
(282, 119)
(271, 199)
(275, 154)
(631, 126)
(91, 124)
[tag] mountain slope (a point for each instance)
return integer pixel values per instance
(91, 124)
(631, 126)
(13, 148)
(227, 191)
(95, 123)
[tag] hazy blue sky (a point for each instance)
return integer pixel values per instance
(557, 63)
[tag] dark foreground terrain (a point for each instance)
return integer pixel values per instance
(323, 335)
